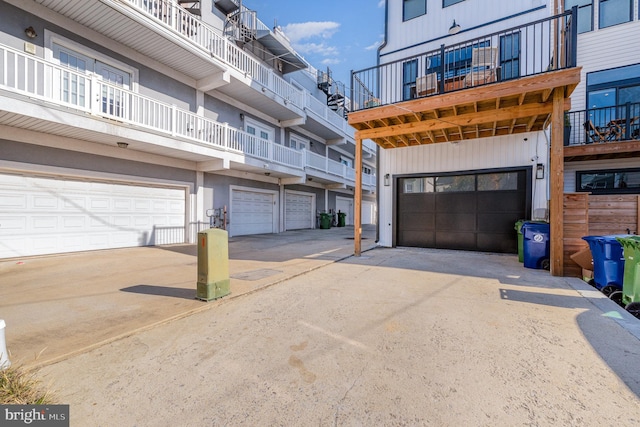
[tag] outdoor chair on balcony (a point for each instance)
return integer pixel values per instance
(427, 85)
(484, 66)
(596, 133)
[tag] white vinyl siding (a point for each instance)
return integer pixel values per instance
(487, 153)
(618, 44)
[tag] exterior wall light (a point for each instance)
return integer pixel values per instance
(539, 171)
(31, 33)
(387, 180)
(122, 144)
(454, 28)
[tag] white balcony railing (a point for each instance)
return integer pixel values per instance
(41, 80)
(212, 42)
(332, 167)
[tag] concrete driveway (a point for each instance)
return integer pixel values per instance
(61, 305)
(395, 337)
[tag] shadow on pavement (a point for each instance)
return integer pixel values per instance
(615, 346)
(165, 291)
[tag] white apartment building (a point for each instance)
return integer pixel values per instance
(139, 122)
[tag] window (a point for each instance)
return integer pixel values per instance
(455, 183)
(585, 13)
(366, 170)
(613, 12)
(346, 161)
(409, 76)
(446, 3)
(618, 181)
(498, 181)
(510, 56)
(419, 185)
(115, 78)
(75, 86)
(298, 143)
(413, 8)
(257, 129)
(457, 62)
(614, 94)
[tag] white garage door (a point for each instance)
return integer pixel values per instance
(298, 213)
(368, 212)
(345, 206)
(45, 215)
(252, 212)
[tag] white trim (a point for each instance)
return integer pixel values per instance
(51, 38)
(248, 121)
(298, 140)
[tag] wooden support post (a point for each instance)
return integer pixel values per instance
(556, 184)
(357, 195)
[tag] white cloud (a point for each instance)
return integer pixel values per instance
(381, 3)
(317, 48)
(330, 61)
(310, 30)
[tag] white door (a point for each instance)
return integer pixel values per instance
(299, 210)
(345, 205)
(40, 215)
(252, 212)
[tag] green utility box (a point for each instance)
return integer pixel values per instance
(213, 264)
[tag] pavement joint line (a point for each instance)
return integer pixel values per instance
(206, 306)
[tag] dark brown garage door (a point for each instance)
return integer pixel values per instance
(471, 211)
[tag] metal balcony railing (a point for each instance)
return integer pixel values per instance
(601, 125)
(545, 45)
(38, 80)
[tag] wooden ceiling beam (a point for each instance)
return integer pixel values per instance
(470, 119)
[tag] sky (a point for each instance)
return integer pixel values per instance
(343, 35)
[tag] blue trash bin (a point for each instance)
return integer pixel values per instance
(608, 262)
(536, 245)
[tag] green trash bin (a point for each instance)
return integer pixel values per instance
(325, 221)
(629, 297)
(341, 219)
(518, 228)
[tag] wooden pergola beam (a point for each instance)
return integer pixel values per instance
(556, 184)
(357, 195)
(469, 119)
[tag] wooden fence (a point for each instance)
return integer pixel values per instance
(595, 215)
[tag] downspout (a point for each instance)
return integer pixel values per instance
(379, 175)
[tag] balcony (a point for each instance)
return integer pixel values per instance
(602, 133)
(498, 84)
(167, 33)
(39, 96)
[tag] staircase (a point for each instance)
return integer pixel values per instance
(335, 91)
(191, 6)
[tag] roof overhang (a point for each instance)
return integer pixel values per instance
(279, 46)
